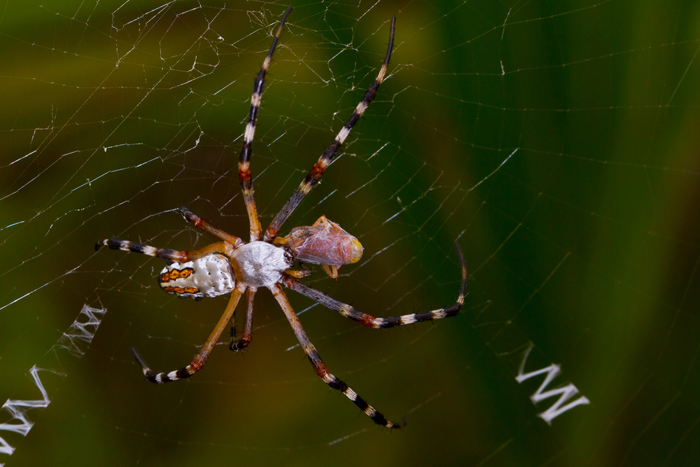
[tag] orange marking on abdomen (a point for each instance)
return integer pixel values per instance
(184, 290)
(185, 273)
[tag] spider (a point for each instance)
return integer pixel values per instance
(235, 267)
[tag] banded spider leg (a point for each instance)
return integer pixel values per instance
(381, 323)
(244, 173)
(320, 367)
(201, 358)
(245, 177)
(329, 154)
(179, 276)
(229, 242)
(362, 318)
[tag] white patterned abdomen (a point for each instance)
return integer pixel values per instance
(204, 277)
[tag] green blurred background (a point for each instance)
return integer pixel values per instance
(584, 242)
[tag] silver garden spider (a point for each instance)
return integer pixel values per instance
(235, 267)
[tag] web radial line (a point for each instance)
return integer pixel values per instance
(244, 159)
(329, 154)
(320, 367)
(380, 323)
(203, 354)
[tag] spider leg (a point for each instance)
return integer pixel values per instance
(175, 255)
(331, 270)
(320, 367)
(204, 225)
(170, 255)
(329, 154)
(244, 158)
(203, 354)
(380, 323)
(244, 341)
(303, 272)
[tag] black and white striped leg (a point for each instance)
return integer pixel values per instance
(170, 255)
(380, 323)
(320, 367)
(329, 154)
(240, 344)
(244, 173)
(126, 245)
(203, 355)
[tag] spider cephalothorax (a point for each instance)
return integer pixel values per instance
(233, 266)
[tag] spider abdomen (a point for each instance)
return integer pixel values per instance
(209, 276)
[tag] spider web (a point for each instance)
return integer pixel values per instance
(555, 141)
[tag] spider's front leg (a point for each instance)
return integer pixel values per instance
(201, 358)
(320, 367)
(329, 154)
(244, 173)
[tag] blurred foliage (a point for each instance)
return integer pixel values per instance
(555, 141)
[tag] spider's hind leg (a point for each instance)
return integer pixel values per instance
(201, 358)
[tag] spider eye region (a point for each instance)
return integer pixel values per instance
(209, 276)
(260, 264)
